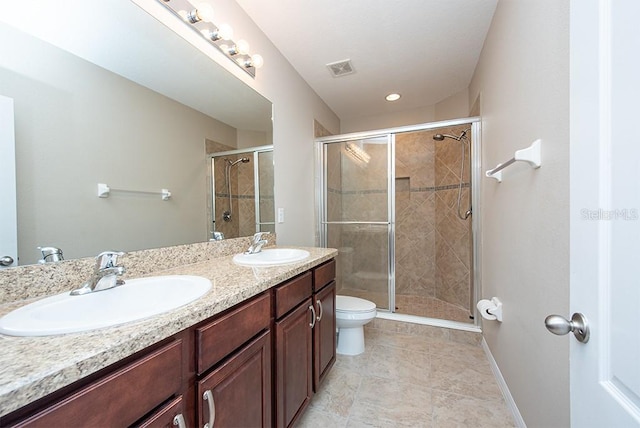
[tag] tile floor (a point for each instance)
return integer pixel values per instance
(413, 305)
(410, 376)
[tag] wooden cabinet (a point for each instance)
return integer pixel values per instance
(324, 333)
(171, 415)
(120, 398)
(256, 364)
(305, 340)
(294, 363)
(238, 392)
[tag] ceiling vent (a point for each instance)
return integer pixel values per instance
(341, 68)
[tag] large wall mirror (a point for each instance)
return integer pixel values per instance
(107, 94)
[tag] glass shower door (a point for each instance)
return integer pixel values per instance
(357, 215)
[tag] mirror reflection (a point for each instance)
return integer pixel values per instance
(242, 192)
(78, 124)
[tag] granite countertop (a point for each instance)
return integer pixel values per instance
(32, 367)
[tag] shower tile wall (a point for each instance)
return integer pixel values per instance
(242, 198)
(453, 237)
(433, 257)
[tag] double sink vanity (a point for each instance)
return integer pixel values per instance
(249, 350)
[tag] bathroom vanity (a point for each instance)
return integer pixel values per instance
(251, 352)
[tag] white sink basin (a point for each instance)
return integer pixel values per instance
(271, 257)
(135, 300)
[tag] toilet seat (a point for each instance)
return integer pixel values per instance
(353, 304)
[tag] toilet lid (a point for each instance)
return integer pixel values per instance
(353, 304)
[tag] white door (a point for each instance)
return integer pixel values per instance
(8, 226)
(605, 211)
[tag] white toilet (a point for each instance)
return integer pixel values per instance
(352, 313)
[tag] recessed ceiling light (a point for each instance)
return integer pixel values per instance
(393, 97)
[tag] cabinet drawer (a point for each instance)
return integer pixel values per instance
(222, 336)
(324, 274)
(292, 293)
(164, 417)
(120, 398)
(240, 388)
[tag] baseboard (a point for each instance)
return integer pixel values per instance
(502, 384)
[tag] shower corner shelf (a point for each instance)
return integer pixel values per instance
(104, 191)
(532, 155)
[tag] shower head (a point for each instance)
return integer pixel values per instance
(243, 160)
(441, 137)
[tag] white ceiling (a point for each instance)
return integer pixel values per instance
(426, 50)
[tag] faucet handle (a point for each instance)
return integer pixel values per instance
(108, 259)
(258, 236)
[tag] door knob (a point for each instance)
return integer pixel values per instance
(6, 261)
(559, 325)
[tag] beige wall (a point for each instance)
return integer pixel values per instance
(390, 120)
(295, 106)
(523, 76)
(454, 107)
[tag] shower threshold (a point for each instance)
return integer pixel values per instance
(435, 322)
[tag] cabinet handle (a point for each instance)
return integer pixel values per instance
(178, 420)
(208, 397)
(313, 316)
(319, 309)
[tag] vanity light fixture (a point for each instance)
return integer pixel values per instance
(199, 17)
(392, 97)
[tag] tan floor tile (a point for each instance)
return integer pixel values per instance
(338, 392)
(316, 418)
(399, 340)
(396, 364)
(459, 376)
(451, 410)
(410, 376)
(381, 401)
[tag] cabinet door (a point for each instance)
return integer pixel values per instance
(294, 367)
(119, 398)
(324, 333)
(238, 393)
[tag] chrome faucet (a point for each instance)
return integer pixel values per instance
(258, 242)
(105, 274)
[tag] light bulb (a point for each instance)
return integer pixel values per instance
(225, 31)
(392, 97)
(242, 46)
(205, 12)
(257, 60)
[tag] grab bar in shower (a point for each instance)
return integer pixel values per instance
(532, 155)
(104, 191)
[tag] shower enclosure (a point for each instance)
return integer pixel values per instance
(241, 197)
(394, 203)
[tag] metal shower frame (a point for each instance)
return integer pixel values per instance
(476, 177)
(252, 152)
